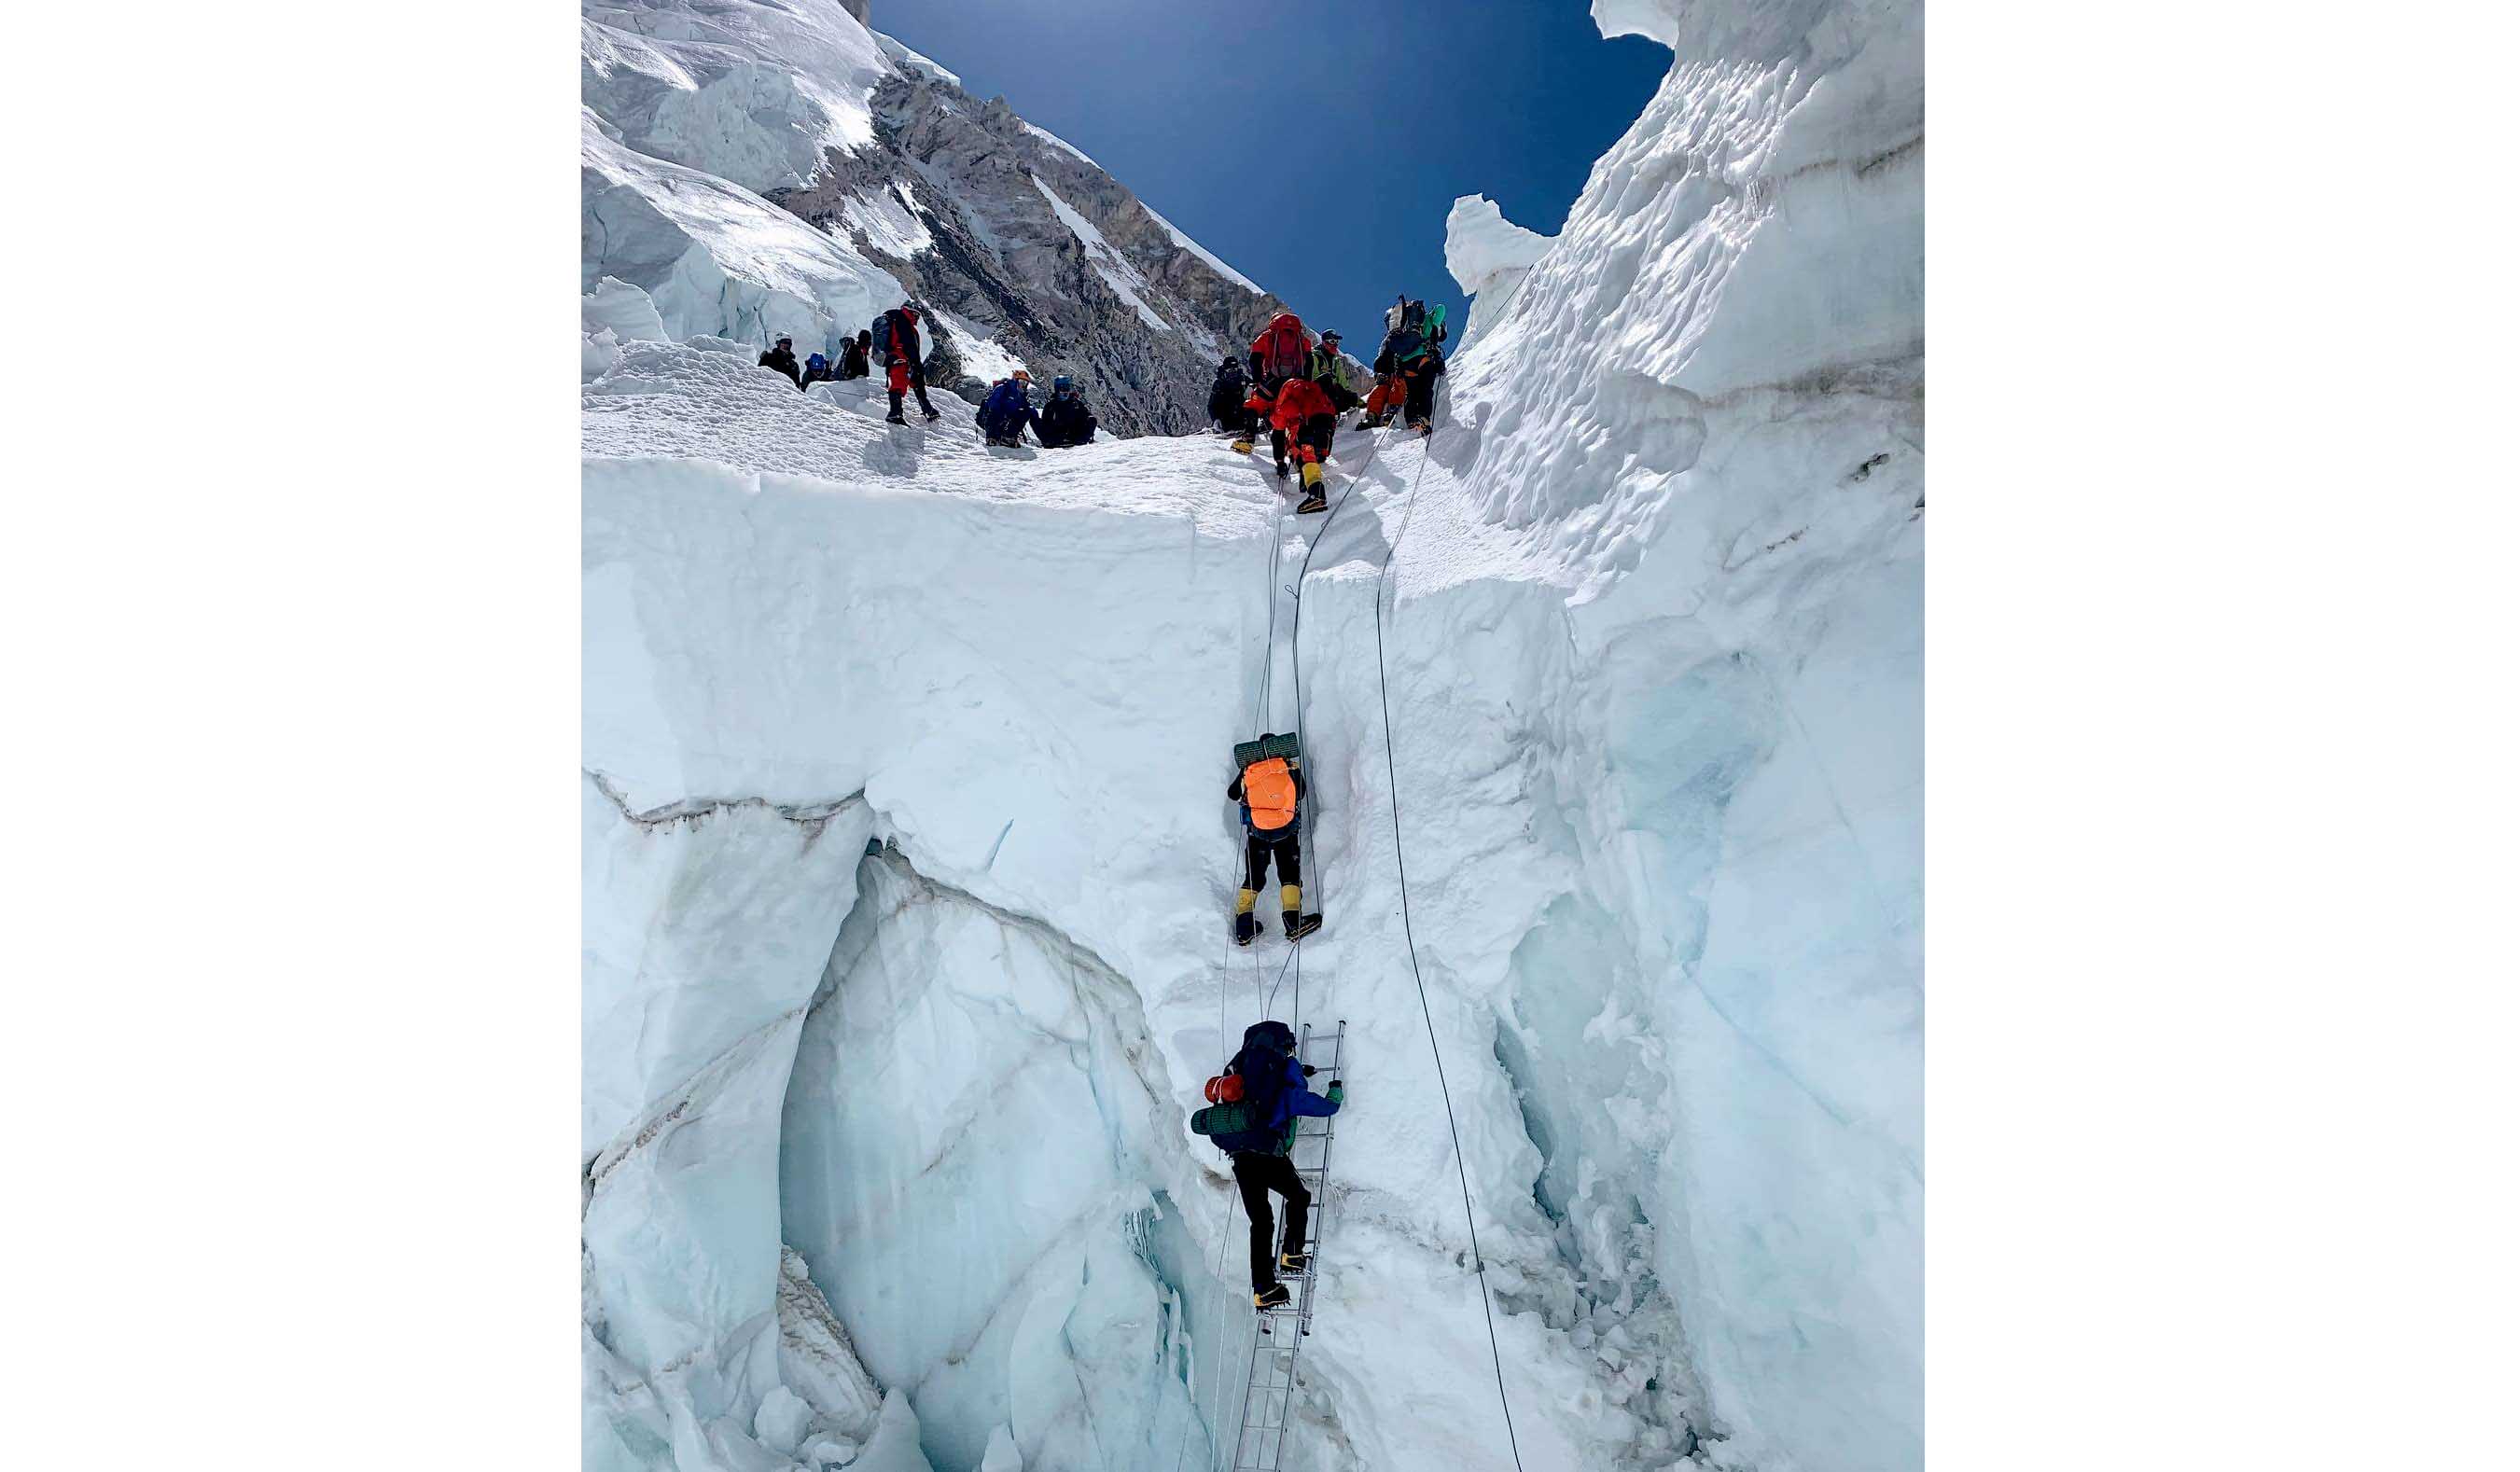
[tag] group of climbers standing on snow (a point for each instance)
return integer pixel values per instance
(851, 363)
(817, 369)
(1297, 387)
(892, 343)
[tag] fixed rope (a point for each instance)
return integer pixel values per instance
(1295, 951)
(1391, 774)
(1296, 645)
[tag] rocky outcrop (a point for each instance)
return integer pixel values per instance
(1120, 302)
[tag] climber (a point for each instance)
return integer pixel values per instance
(1065, 421)
(1224, 399)
(894, 340)
(1329, 369)
(1406, 367)
(1007, 409)
(782, 359)
(1269, 790)
(817, 369)
(1281, 352)
(1304, 413)
(853, 356)
(1273, 1093)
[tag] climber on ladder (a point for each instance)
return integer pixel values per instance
(1269, 783)
(1256, 1102)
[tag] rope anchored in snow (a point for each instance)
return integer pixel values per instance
(1391, 774)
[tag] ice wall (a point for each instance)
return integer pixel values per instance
(1703, 408)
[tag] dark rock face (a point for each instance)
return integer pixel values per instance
(1137, 319)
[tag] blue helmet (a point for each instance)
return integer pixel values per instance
(1062, 383)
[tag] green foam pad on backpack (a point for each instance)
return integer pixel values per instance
(1283, 744)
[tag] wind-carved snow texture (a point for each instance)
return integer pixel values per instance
(763, 168)
(1650, 608)
(1489, 255)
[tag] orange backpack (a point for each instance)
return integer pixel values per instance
(1283, 349)
(1269, 794)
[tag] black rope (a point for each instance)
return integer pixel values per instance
(1391, 771)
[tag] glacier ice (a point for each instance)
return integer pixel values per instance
(1488, 255)
(908, 862)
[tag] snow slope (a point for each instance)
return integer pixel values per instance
(907, 861)
(766, 167)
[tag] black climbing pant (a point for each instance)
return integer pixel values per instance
(1421, 397)
(1258, 1175)
(1259, 848)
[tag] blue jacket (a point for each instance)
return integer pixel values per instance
(1006, 412)
(1297, 1101)
(1293, 1102)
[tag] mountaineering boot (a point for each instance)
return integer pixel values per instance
(1276, 1297)
(1294, 1264)
(1312, 503)
(932, 414)
(1241, 445)
(1301, 925)
(1246, 925)
(1422, 429)
(894, 418)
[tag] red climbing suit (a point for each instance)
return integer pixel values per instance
(1299, 400)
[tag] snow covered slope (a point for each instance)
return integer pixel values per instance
(908, 859)
(767, 166)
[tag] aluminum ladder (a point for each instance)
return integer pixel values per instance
(1269, 1385)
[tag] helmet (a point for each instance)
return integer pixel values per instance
(785, 340)
(1330, 334)
(1271, 1034)
(1062, 383)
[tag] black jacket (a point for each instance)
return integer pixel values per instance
(1066, 422)
(1224, 400)
(853, 362)
(784, 361)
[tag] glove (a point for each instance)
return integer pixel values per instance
(1338, 1092)
(1309, 1070)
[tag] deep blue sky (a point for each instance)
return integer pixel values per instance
(1315, 145)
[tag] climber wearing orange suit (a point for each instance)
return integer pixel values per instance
(1304, 415)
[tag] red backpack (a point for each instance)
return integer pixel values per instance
(1282, 347)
